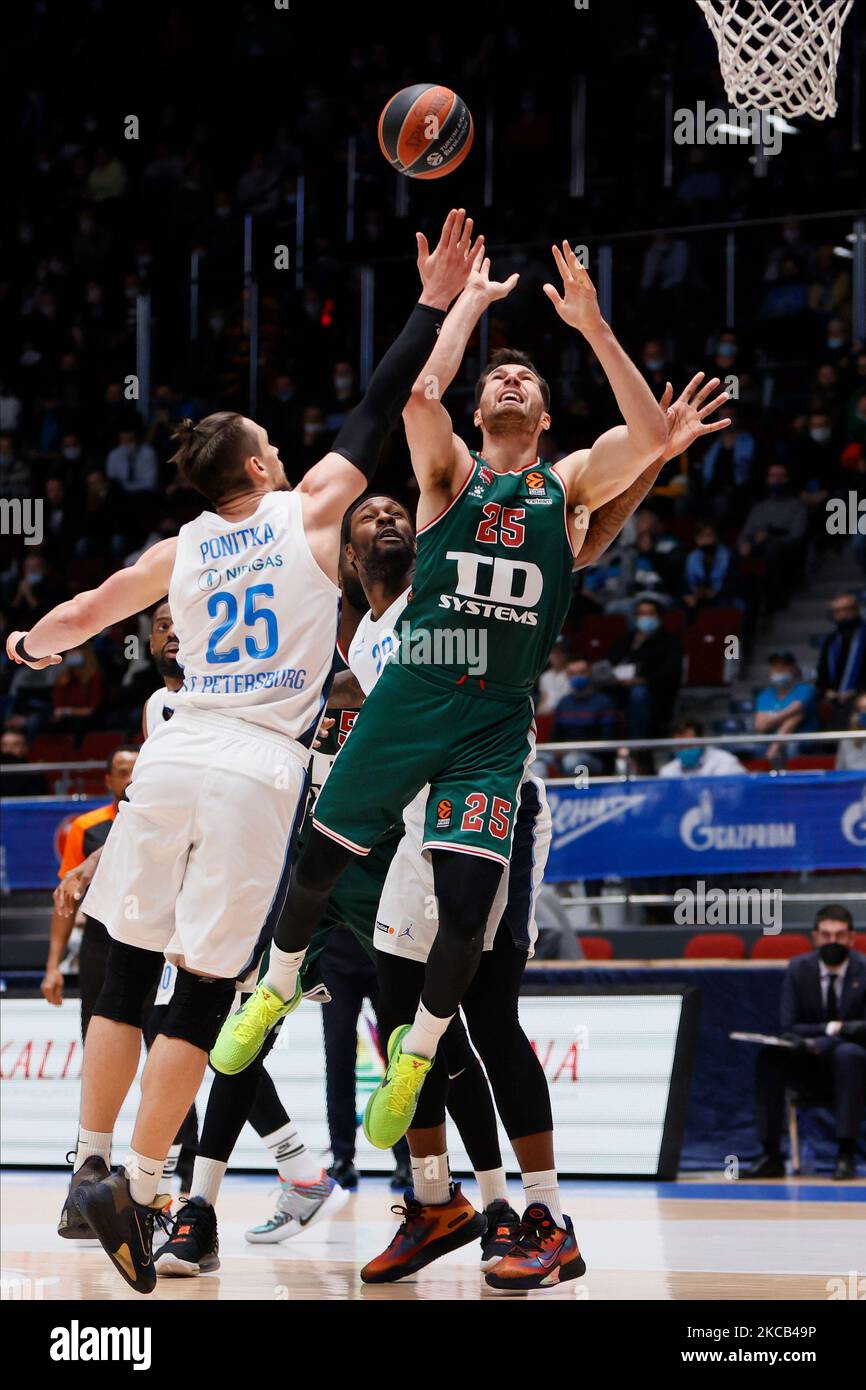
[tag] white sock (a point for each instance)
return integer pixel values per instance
(168, 1170)
(144, 1176)
(289, 1154)
(431, 1180)
(492, 1184)
(424, 1035)
(207, 1176)
(282, 972)
(90, 1143)
(543, 1187)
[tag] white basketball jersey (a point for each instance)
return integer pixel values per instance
(376, 640)
(256, 618)
(158, 707)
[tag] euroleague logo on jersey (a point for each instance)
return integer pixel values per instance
(444, 811)
(535, 485)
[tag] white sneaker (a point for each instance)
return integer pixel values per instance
(299, 1206)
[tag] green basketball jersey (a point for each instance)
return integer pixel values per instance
(493, 579)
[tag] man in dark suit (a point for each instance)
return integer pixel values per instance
(824, 1008)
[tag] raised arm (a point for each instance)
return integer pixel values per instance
(69, 624)
(687, 420)
(597, 475)
(440, 458)
(333, 483)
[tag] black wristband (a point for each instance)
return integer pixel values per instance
(20, 651)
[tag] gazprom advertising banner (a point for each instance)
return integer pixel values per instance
(712, 825)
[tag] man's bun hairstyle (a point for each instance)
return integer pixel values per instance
(211, 453)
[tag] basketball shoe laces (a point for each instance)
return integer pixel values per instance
(411, 1213)
(531, 1236)
(401, 1094)
(254, 1018)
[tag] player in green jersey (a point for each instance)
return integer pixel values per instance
(499, 534)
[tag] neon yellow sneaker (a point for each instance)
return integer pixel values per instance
(244, 1033)
(391, 1107)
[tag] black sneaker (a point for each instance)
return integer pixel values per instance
(401, 1178)
(193, 1244)
(345, 1173)
(501, 1233)
(123, 1227)
(72, 1225)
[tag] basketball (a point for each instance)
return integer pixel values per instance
(426, 131)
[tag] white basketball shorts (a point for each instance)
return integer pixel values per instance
(407, 920)
(197, 860)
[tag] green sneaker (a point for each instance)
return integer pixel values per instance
(391, 1107)
(243, 1034)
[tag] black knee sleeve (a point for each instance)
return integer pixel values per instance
(130, 975)
(197, 1009)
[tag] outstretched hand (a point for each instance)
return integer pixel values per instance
(445, 271)
(578, 303)
(687, 415)
(480, 283)
(11, 643)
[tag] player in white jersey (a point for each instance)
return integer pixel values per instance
(201, 854)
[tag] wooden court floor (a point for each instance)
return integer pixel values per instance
(696, 1239)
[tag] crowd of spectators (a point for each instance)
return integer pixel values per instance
(98, 220)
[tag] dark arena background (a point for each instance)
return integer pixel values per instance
(198, 217)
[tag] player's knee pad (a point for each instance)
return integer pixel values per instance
(197, 1009)
(130, 975)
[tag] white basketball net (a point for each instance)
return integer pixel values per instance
(779, 54)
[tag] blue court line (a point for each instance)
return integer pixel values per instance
(794, 1191)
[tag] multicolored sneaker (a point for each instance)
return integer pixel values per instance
(193, 1243)
(72, 1225)
(542, 1254)
(391, 1107)
(501, 1233)
(424, 1234)
(123, 1227)
(299, 1206)
(243, 1034)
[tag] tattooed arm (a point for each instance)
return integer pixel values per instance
(685, 416)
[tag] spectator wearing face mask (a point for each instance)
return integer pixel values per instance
(787, 705)
(554, 683)
(647, 669)
(37, 592)
(725, 470)
(78, 691)
(697, 759)
(344, 395)
(851, 756)
(584, 713)
(655, 563)
(132, 464)
(823, 1010)
(842, 663)
(775, 532)
(708, 571)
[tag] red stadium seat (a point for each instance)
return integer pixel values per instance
(596, 947)
(717, 945)
(783, 947)
(705, 655)
(860, 941)
(98, 745)
(674, 621)
(811, 762)
(543, 727)
(597, 634)
(727, 622)
(757, 764)
(52, 748)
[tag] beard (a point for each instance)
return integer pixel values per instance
(353, 589)
(168, 668)
(386, 566)
(510, 421)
